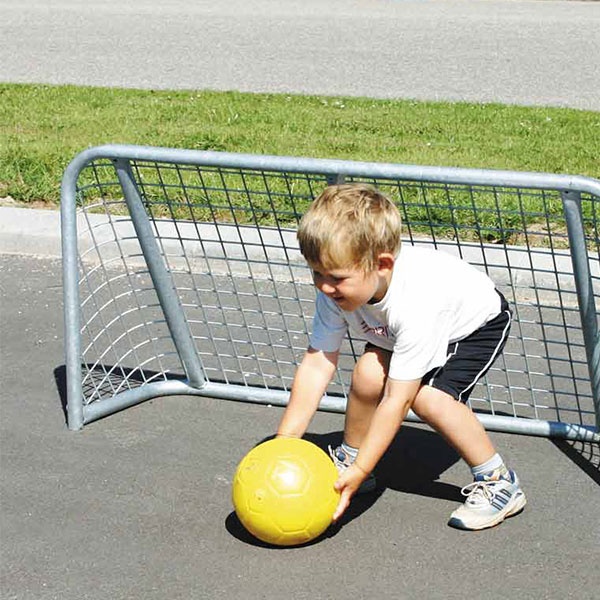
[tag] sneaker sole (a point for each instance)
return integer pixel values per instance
(512, 509)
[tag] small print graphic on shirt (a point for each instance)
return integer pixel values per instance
(381, 330)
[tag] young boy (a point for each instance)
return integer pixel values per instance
(434, 325)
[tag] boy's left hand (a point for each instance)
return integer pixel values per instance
(347, 484)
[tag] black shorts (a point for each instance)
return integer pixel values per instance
(471, 358)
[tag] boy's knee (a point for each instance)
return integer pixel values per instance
(370, 372)
(366, 381)
(431, 403)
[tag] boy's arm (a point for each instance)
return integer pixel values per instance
(397, 399)
(310, 382)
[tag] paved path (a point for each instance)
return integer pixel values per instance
(510, 51)
(138, 506)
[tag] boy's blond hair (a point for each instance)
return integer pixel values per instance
(349, 226)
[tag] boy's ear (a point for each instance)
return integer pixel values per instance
(385, 261)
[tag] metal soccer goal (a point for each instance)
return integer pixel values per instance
(182, 275)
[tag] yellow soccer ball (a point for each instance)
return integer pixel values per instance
(283, 491)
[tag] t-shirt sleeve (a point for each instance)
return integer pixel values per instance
(329, 325)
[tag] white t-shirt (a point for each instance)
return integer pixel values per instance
(433, 299)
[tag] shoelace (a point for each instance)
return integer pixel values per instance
(480, 492)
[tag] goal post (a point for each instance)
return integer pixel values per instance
(182, 275)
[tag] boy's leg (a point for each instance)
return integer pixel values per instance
(366, 390)
(495, 493)
(441, 401)
(456, 423)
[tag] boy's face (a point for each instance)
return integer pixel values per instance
(351, 288)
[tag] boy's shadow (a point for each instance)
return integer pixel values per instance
(412, 464)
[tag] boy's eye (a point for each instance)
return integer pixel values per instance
(332, 278)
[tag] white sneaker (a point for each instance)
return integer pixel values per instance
(342, 461)
(489, 502)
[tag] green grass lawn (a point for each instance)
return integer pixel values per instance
(43, 127)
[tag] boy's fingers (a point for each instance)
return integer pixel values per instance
(342, 506)
(347, 484)
(342, 482)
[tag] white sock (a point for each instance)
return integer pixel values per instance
(350, 451)
(492, 468)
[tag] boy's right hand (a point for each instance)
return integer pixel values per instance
(347, 484)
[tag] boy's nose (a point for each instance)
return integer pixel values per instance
(327, 288)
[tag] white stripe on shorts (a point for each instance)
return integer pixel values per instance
(450, 355)
(492, 358)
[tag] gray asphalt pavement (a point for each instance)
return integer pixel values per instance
(138, 505)
(510, 51)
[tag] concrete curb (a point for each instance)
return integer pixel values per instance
(36, 232)
(30, 231)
